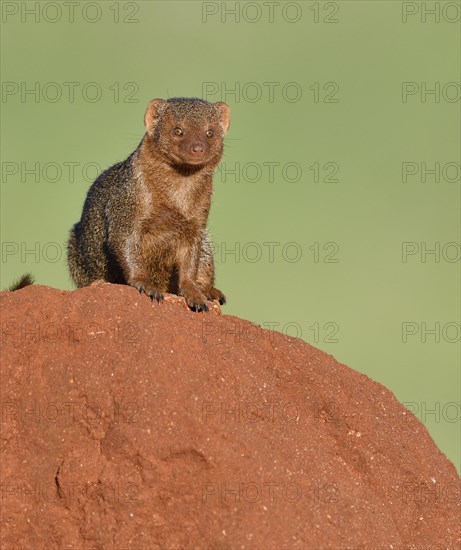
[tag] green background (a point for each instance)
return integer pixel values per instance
(171, 49)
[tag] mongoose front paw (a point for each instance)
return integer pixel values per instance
(197, 307)
(148, 291)
(216, 294)
(195, 299)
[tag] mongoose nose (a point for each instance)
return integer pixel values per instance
(197, 147)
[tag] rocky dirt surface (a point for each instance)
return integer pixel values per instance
(131, 424)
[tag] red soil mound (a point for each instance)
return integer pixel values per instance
(127, 424)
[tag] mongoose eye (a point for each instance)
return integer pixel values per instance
(178, 131)
(209, 133)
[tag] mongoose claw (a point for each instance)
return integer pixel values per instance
(194, 297)
(198, 307)
(157, 296)
(153, 294)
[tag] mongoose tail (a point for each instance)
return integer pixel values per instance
(25, 280)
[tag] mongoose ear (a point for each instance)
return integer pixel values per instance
(224, 110)
(152, 112)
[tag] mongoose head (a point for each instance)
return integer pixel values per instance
(187, 131)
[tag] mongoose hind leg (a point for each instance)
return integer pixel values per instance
(74, 260)
(206, 283)
(216, 294)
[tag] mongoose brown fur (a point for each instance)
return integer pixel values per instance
(144, 219)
